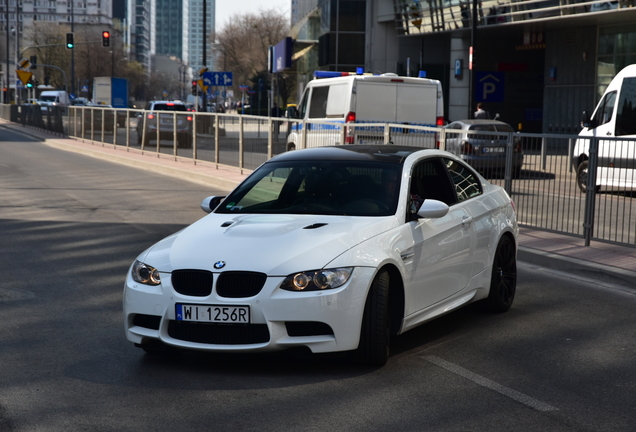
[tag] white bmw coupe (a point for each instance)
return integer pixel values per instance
(333, 249)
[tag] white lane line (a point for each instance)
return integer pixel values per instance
(485, 382)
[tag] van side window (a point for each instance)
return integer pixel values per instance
(605, 109)
(626, 111)
(302, 108)
(318, 104)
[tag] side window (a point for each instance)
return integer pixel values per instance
(318, 104)
(605, 109)
(429, 180)
(302, 109)
(465, 182)
(626, 111)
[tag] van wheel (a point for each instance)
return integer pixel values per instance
(581, 176)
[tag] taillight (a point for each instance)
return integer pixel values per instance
(349, 137)
(518, 148)
(151, 116)
(189, 118)
(439, 122)
(467, 148)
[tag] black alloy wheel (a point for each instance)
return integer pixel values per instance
(375, 332)
(503, 283)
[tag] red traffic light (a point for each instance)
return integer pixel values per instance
(105, 38)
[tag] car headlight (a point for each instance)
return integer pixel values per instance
(317, 280)
(145, 274)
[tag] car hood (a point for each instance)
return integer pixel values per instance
(272, 244)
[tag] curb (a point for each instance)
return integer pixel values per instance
(600, 272)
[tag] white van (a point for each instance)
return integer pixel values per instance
(53, 98)
(614, 123)
(386, 98)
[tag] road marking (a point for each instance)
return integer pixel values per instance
(485, 382)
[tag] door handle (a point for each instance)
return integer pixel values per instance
(608, 133)
(466, 220)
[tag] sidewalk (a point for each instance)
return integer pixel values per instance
(600, 261)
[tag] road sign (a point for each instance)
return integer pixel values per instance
(24, 76)
(218, 78)
(84, 89)
(489, 87)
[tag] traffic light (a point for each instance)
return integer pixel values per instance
(105, 39)
(194, 88)
(70, 42)
(34, 62)
(30, 83)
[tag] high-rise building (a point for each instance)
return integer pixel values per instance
(141, 31)
(196, 39)
(172, 34)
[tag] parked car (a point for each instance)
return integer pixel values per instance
(483, 143)
(333, 249)
(157, 122)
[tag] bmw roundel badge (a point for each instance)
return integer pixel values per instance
(219, 264)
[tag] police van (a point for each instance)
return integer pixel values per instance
(613, 122)
(367, 103)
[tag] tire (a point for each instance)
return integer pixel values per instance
(375, 333)
(581, 176)
(138, 138)
(503, 281)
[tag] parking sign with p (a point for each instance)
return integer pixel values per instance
(489, 86)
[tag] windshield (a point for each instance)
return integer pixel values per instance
(318, 187)
(48, 98)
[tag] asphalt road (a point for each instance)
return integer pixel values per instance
(562, 359)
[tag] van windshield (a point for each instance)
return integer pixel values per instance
(48, 98)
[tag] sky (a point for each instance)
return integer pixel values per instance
(227, 8)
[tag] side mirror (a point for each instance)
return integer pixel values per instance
(210, 203)
(586, 120)
(432, 209)
(292, 112)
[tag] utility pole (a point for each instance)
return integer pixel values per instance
(205, 30)
(6, 99)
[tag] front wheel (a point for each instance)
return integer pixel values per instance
(582, 175)
(503, 282)
(374, 333)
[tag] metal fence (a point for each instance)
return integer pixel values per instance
(547, 184)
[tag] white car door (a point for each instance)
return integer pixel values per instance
(440, 262)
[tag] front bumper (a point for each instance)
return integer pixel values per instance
(323, 321)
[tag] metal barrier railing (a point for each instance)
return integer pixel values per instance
(547, 183)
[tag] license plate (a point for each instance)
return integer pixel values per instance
(166, 120)
(494, 149)
(213, 313)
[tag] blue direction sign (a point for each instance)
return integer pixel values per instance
(217, 78)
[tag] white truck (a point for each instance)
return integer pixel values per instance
(329, 104)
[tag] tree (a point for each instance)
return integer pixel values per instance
(243, 45)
